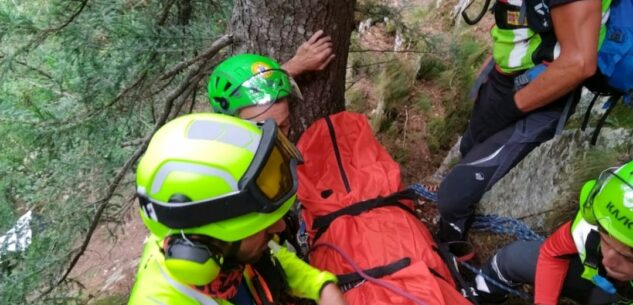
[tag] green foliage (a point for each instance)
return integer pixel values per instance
(355, 99)
(464, 57)
(430, 68)
(621, 116)
(375, 9)
(78, 84)
(395, 81)
(423, 103)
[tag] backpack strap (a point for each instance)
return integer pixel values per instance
(481, 79)
(585, 119)
(322, 223)
(350, 280)
(337, 153)
(568, 110)
(613, 100)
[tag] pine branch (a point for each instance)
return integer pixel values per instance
(38, 70)
(212, 50)
(44, 34)
(163, 17)
(74, 120)
(183, 90)
(70, 20)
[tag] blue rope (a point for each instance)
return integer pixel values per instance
(505, 225)
(423, 192)
(496, 224)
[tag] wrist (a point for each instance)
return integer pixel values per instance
(519, 102)
(323, 287)
(292, 68)
(516, 107)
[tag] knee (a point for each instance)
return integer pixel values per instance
(516, 262)
(460, 190)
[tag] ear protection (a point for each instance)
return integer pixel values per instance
(587, 194)
(192, 261)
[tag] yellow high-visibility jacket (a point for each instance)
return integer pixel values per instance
(154, 285)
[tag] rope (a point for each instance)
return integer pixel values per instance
(505, 225)
(493, 223)
(500, 285)
(422, 191)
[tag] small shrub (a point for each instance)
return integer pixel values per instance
(423, 103)
(355, 100)
(429, 68)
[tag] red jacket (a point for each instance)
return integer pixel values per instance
(552, 265)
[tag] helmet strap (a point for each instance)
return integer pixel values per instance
(230, 258)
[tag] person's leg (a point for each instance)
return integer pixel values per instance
(484, 165)
(512, 265)
(516, 264)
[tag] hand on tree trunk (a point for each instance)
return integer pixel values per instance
(313, 55)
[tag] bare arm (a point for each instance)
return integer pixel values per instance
(331, 295)
(313, 55)
(577, 26)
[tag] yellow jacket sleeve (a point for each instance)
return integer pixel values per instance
(304, 280)
(155, 286)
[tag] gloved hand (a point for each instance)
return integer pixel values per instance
(489, 117)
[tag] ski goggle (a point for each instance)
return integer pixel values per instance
(269, 181)
(604, 177)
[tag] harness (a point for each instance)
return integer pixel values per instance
(322, 223)
(587, 241)
(524, 44)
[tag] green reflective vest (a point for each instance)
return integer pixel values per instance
(517, 46)
(580, 231)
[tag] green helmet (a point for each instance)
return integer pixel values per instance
(246, 80)
(215, 175)
(608, 202)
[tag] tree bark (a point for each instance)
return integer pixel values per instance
(276, 28)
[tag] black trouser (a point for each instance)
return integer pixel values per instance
(484, 163)
(516, 264)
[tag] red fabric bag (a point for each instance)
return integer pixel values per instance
(345, 164)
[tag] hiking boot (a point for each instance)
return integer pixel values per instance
(463, 250)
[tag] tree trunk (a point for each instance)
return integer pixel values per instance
(276, 28)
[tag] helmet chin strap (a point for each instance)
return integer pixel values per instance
(230, 259)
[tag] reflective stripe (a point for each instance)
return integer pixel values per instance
(518, 3)
(520, 48)
(579, 233)
(156, 301)
(556, 50)
(495, 268)
(225, 133)
(188, 291)
(172, 166)
(488, 158)
(605, 16)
